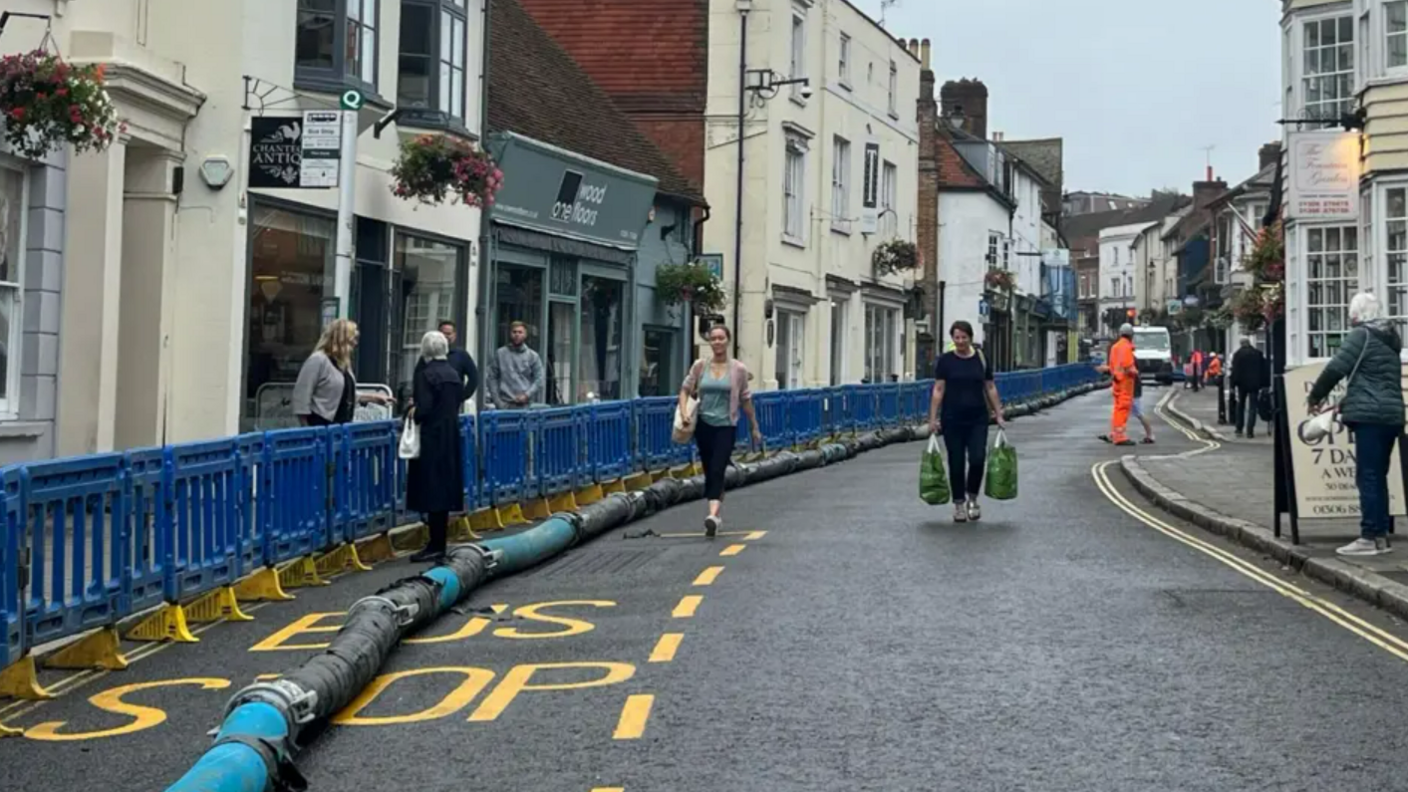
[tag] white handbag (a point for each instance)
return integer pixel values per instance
(1323, 425)
(685, 420)
(410, 440)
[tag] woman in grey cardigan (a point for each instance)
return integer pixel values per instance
(326, 390)
(1372, 408)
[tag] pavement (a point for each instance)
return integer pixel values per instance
(841, 636)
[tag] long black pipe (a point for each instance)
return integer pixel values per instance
(738, 197)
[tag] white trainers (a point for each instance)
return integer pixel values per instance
(960, 512)
(1365, 547)
(975, 512)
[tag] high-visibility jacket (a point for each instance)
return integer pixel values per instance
(1215, 368)
(1122, 365)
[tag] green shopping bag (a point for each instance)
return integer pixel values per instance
(933, 475)
(1001, 481)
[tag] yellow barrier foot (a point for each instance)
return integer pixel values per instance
(262, 586)
(216, 605)
(683, 472)
(414, 539)
(566, 502)
(485, 520)
(637, 482)
(512, 515)
(659, 475)
(342, 558)
(167, 624)
(592, 493)
(462, 531)
(6, 731)
(376, 549)
(301, 573)
(99, 650)
(536, 509)
(20, 680)
(613, 487)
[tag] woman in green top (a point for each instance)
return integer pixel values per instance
(721, 384)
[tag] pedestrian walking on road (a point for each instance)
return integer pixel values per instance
(964, 393)
(326, 390)
(1372, 409)
(516, 378)
(1125, 372)
(721, 385)
(435, 479)
(1248, 378)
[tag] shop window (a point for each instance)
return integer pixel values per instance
(658, 375)
(370, 306)
(839, 332)
(336, 44)
(879, 343)
(1332, 263)
(291, 269)
(791, 334)
(13, 202)
(430, 276)
(519, 298)
(431, 79)
(600, 344)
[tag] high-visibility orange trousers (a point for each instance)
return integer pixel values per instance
(1124, 404)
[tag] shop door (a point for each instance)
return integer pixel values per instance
(790, 332)
(659, 363)
(561, 351)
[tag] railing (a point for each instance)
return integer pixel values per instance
(89, 541)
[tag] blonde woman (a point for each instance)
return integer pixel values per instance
(326, 390)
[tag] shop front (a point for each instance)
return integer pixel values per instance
(566, 237)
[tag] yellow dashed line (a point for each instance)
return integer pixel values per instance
(733, 550)
(687, 606)
(754, 536)
(633, 717)
(666, 647)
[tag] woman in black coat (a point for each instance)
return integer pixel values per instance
(435, 480)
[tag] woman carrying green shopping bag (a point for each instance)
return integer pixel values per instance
(964, 392)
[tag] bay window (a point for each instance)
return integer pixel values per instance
(1332, 269)
(1327, 67)
(1395, 242)
(336, 44)
(432, 58)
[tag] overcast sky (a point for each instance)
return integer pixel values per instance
(1137, 88)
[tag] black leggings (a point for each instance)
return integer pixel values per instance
(439, 523)
(715, 448)
(970, 441)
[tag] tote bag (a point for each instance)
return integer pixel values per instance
(410, 440)
(685, 421)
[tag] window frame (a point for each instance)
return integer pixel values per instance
(794, 189)
(1297, 61)
(1349, 286)
(338, 78)
(843, 68)
(1380, 34)
(889, 197)
(894, 86)
(10, 399)
(797, 53)
(840, 185)
(435, 116)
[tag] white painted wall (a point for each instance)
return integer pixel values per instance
(966, 220)
(1117, 268)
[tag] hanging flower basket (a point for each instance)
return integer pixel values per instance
(432, 167)
(894, 256)
(1000, 280)
(47, 103)
(690, 284)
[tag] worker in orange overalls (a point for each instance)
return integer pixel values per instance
(1126, 373)
(1214, 369)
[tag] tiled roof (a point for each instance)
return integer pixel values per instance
(954, 170)
(1091, 224)
(1044, 156)
(537, 90)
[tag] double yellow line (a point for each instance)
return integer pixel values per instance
(1380, 638)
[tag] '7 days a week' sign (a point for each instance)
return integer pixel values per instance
(1324, 470)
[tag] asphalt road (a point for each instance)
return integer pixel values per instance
(862, 642)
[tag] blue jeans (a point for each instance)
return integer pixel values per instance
(1373, 450)
(967, 446)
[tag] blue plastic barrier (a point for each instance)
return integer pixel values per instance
(655, 419)
(469, 449)
(557, 450)
(608, 438)
(296, 462)
(365, 484)
(12, 626)
(251, 501)
(504, 438)
(771, 408)
(204, 483)
(806, 415)
(74, 511)
(148, 535)
(889, 401)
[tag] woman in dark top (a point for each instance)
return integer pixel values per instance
(435, 480)
(963, 393)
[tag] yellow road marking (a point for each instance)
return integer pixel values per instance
(608, 789)
(633, 717)
(754, 536)
(733, 550)
(1384, 640)
(688, 604)
(695, 534)
(708, 576)
(666, 647)
(18, 709)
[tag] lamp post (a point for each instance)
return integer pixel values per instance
(763, 84)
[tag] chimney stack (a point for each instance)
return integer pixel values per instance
(970, 97)
(1269, 155)
(1205, 192)
(914, 48)
(924, 52)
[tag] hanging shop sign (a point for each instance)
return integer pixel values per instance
(1324, 176)
(558, 192)
(1324, 470)
(295, 152)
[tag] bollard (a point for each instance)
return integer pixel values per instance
(1221, 402)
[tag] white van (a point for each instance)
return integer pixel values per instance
(1153, 354)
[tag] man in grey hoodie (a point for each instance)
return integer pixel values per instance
(516, 376)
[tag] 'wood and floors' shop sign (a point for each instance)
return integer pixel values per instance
(293, 152)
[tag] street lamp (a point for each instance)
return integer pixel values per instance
(763, 84)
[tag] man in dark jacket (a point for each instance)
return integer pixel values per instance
(459, 360)
(1248, 378)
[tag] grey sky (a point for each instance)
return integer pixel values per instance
(1136, 87)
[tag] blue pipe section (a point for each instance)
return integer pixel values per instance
(233, 767)
(449, 586)
(533, 546)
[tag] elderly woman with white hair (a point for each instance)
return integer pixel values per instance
(1372, 408)
(435, 480)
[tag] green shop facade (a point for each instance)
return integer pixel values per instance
(573, 246)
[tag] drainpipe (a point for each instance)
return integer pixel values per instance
(738, 194)
(481, 314)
